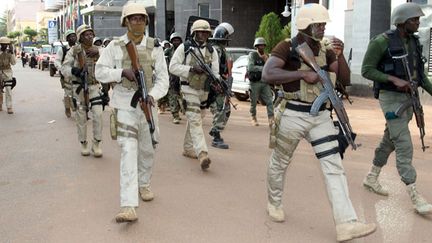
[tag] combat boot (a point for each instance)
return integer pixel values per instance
(176, 120)
(254, 121)
(420, 204)
(351, 230)
(68, 112)
(9, 111)
(218, 142)
(204, 160)
(271, 121)
(96, 149)
(371, 181)
(85, 151)
(276, 213)
(146, 194)
(190, 154)
(126, 214)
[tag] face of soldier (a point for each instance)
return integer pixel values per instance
(317, 31)
(260, 48)
(71, 39)
(201, 36)
(106, 43)
(136, 24)
(176, 42)
(87, 37)
(98, 43)
(412, 25)
(4, 47)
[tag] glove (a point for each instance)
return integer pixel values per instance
(196, 69)
(76, 72)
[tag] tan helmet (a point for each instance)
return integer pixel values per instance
(200, 25)
(68, 32)
(175, 35)
(81, 29)
(311, 13)
(4, 40)
(259, 41)
(404, 12)
(132, 8)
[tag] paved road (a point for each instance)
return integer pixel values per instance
(49, 193)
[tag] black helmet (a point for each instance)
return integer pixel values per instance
(222, 32)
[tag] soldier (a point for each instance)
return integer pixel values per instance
(7, 81)
(259, 88)
(301, 86)
(220, 107)
(133, 133)
(66, 83)
(174, 96)
(195, 87)
(97, 41)
(106, 41)
(83, 77)
(391, 85)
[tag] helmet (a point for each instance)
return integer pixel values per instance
(175, 35)
(130, 9)
(404, 12)
(81, 29)
(311, 13)
(259, 41)
(165, 42)
(68, 32)
(200, 25)
(223, 31)
(96, 39)
(4, 40)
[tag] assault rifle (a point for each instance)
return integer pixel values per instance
(84, 81)
(141, 95)
(218, 85)
(414, 100)
(328, 93)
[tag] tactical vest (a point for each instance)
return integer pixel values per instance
(388, 65)
(145, 59)
(309, 92)
(223, 60)
(198, 81)
(90, 63)
(5, 61)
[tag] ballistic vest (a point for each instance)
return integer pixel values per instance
(397, 47)
(90, 62)
(5, 61)
(198, 81)
(309, 92)
(145, 59)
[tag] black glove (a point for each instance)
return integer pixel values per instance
(76, 72)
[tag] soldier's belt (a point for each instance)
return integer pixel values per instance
(184, 82)
(302, 108)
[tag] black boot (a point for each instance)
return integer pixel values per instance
(218, 142)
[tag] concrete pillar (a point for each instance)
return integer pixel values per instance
(160, 20)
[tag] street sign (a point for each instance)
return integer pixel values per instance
(52, 31)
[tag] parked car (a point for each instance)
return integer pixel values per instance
(43, 57)
(241, 83)
(235, 52)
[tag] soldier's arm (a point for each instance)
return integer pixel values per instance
(274, 72)
(12, 59)
(105, 70)
(161, 83)
(176, 66)
(215, 64)
(68, 63)
(251, 63)
(374, 53)
(427, 85)
(58, 59)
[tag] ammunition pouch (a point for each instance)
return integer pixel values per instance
(343, 143)
(254, 76)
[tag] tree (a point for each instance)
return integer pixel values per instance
(271, 30)
(31, 33)
(14, 34)
(286, 31)
(43, 34)
(3, 24)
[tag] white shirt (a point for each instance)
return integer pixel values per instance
(109, 69)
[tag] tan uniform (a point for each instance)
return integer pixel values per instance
(137, 155)
(95, 94)
(6, 62)
(179, 66)
(66, 82)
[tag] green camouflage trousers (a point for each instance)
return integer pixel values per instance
(174, 99)
(263, 90)
(396, 136)
(219, 114)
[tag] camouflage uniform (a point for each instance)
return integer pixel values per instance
(174, 96)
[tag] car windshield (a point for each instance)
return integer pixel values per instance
(56, 48)
(241, 61)
(46, 49)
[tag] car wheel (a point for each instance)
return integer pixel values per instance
(241, 97)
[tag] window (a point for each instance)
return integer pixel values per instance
(204, 10)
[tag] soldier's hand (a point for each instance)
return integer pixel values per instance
(337, 45)
(129, 74)
(196, 69)
(310, 77)
(92, 51)
(400, 83)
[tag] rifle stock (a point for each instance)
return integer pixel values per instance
(328, 93)
(84, 81)
(414, 101)
(141, 95)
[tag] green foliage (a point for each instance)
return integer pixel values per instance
(14, 34)
(271, 29)
(31, 33)
(43, 34)
(286, 31)
(3, 24)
